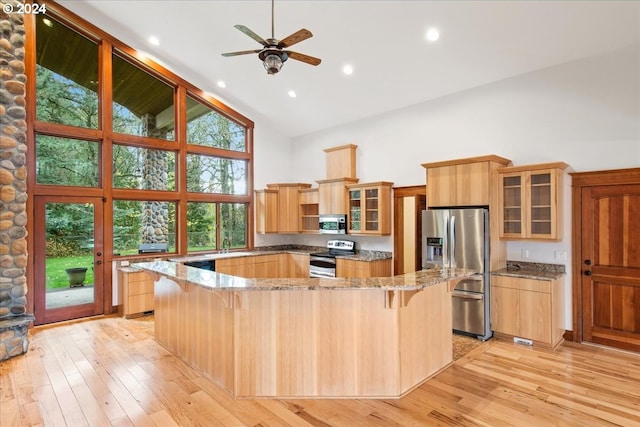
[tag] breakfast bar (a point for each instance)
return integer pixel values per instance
(306, 337)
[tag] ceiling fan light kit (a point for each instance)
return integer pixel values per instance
(273, 55)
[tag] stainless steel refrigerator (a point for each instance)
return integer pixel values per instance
(459, 238)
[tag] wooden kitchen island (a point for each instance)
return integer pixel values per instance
(306, 338)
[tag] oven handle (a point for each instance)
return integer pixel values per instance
(321, 275)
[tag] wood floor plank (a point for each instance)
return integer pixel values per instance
(111, 372)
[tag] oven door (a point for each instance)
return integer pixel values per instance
(322, 267)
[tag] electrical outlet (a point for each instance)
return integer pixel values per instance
(525, 253)
(560, 255)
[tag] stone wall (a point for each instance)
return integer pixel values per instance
(13, 180)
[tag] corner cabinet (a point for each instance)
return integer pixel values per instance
(369, 208)
(530, 200)
(277, 208)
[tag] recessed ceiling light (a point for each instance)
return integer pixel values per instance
(292, 93)
(347, 69)
(221, 84)
(432, 34)
(154, 41)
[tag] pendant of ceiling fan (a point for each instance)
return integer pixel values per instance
(273, 55)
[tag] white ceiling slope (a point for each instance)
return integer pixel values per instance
(480, 42)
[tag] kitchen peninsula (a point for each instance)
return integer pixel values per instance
(306, 338)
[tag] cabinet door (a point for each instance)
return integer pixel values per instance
(288, 198)
(542, 205)
(355, 210)
(441, 186)
(512, 209)
(265, 267)
(332, 198)
(371, 210)
(535, 316)
(266, 211)
(472, 184)
(505, 317)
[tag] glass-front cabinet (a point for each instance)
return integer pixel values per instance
(531, 201)
(369, 208)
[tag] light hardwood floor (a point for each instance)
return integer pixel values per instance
(110, 372)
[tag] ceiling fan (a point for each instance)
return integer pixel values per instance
(273, 54)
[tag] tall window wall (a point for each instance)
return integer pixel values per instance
(173, 166)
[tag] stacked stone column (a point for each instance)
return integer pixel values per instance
(13, 182)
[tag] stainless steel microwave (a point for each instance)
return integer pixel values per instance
(333, 224)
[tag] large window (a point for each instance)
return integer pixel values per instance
(143, 168)
(142, 104)
(207, 127)
(66, 161)
(130, 151)
(66, 75)
(137, 223)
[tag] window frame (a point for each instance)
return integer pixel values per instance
(107, 46)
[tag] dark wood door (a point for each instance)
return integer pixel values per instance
(610, 265)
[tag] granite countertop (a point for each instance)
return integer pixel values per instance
(360, 255)
(218, 281)
(531, 270)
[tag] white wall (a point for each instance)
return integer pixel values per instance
(585, 113)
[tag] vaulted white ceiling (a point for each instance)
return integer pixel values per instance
(384, 41)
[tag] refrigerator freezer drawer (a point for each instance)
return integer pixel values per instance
(468, 312)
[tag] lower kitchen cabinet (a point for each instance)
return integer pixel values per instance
(135, 292)
(250, 267)
(528, 308)
(355, 268)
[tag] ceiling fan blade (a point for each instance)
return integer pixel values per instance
(242, 52)
(304, 58)
(253, 35)
(294, 38)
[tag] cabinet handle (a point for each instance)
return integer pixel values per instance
(587, 273)
(587, 262)
(98, 262)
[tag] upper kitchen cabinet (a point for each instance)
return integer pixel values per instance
(266, 211)
(284, 205)
(369, 208)
(341, 162)
(309, 211)
(332, 195)
(463, 182)
(531, 201)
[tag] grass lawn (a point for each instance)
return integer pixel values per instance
(56, 275)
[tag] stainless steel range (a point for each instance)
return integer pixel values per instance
(323, 264)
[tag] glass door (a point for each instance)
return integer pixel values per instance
(68, 258)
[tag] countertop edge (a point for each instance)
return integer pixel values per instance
(223, 282)
(529, 274)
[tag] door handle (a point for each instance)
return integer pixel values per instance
(587, 273)
(587, 262)
(98, 262)
(99, 254)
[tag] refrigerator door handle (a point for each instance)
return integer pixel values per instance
(445, 244)
(452, 236)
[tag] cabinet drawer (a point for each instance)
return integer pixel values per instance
(139, 288)
(522, 284)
